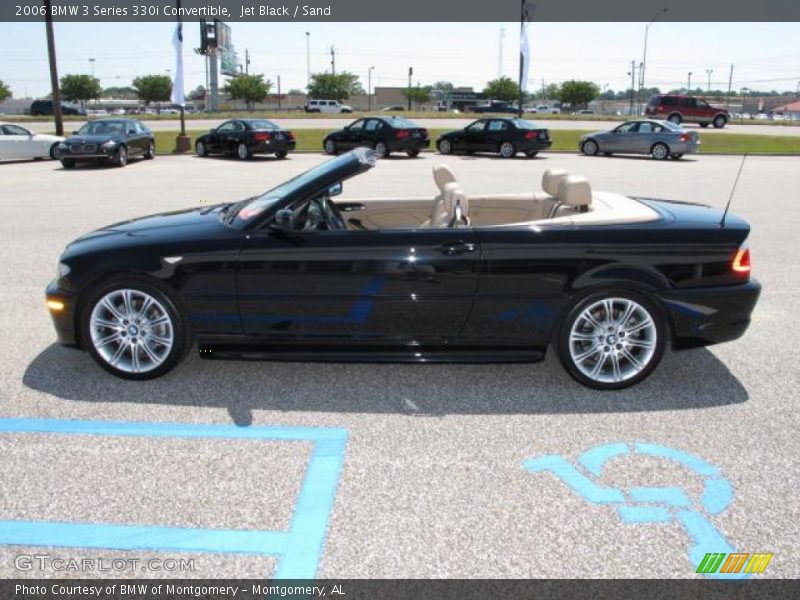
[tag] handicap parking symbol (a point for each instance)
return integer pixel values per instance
(651, 504)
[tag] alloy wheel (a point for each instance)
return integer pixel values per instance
(200, 148)
(507, 150)
(590, 147)
(445, 147)
(381, 149)
(242, 152)
(330, 147)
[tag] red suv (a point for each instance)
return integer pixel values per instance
(678, 108)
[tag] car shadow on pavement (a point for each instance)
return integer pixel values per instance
(687, 380)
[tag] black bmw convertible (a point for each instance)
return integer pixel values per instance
(299, 273)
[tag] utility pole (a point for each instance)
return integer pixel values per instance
(279, 92)
(689, 83)
(644, 54)
(632, 73)
(730, 84)
(410, 73)
(543, 98)
(333, 60)
(709, 72)
(369, 88)
(51, 55)
(246, 61)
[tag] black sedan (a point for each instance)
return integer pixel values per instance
(384, 134)
(502, 135)
(107, 140)
(292, 274)
(245, 137)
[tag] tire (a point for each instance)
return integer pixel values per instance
(590, 148)
(281, 154)
(720, 122)
(382, 149)
(150, 153)
(676, 155)
(531, 153)
(68, 163)
(413, 153)
(54, 151)
(615, 353)
(330, 147)
(201, 149)
(444, 147)
(242, 151)
(660, 151)
(675, 118)
(121, 159)
(144, 341)
(507, 150)
(703, 125)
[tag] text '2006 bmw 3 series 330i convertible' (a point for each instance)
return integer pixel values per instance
(301, 273)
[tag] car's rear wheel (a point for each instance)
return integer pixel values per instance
(242, 151)
(444, 147)
(675, 118)
(281, 154)
(201, 149)
(507, 150)
(590, 148)
(133, 329)
(531, 153)
(720, 122)
(612, 339)
(329, 146)
(54, 151)
(382, 149)
(121, 159)
(659, 151)
(150, 153)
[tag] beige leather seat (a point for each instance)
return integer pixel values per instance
(574, 196)
(443, 206)
(551, 179)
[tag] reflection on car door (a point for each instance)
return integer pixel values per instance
(352, 135)
(221, 141)
(358, 286)
(623, 138)
(370, 132)
(645, 136)
(474, 136)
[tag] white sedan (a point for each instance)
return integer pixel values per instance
(18, 142)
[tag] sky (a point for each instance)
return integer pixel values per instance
(766, 56)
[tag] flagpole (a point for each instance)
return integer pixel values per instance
(183, 143)
(521, 58)
(183, 115)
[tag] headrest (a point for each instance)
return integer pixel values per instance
(574, 190)
(550, 180)
(442, 175)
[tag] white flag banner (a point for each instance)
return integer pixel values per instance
(525, 51)
(177, 84)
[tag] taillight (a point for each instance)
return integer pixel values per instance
(402, 133)
(529, 135)
(741, 261)
(261, 137)
(289, 135)
(685, 137)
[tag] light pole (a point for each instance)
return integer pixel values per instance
(644, 54)
(308, 58)
(91, 62)
(603, 99)
(410, 73)
(689, 84)
(369, 88)
(709, 72)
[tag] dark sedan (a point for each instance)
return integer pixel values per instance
(609, 281)
(107, 140)
(244, 137)
(384, 134)
(502, 135)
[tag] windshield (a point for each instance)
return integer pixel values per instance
(670, 125)
(262, 124)
(102, 128)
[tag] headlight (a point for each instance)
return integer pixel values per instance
(109, 144)
(63, 270)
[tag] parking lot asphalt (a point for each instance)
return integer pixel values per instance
(338, 123)
(442, 473)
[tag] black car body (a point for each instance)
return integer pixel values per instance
(502, 135)
(107, 140)
(495, 106)
(245, 137)
(45, 107)
(286, 276)
(384, 134)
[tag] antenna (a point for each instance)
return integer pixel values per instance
(733, 189)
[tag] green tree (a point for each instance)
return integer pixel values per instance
(578, 93)
(5, 91)
(80, 88)
(198, 93)
(417, 94)
(249, 88)
(125, 91)
(503, 88)
(445, 86)
(296, 92)
(551, 91)
(153, 88)
(334, 87)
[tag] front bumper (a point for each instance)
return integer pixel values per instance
(64, 319)
(705, 316)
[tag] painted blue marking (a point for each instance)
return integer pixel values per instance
(575, 479)
(594, 459)
(667, 495)
(298, 549)
(643, 514)
(651, 504)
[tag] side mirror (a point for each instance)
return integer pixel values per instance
(335, 189)
(284, 220)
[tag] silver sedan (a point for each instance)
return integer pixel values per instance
(659, 139)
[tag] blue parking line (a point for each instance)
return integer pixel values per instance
(299, 549)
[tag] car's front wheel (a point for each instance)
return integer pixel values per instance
(612, 339)
(720, 122)
(444, 147)
(659, 151)
(133, 329)
(590, 148)
(121, 158)
(201, 149)
(329, 146)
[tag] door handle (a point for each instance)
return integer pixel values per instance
(350, 206)
(456, 248)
